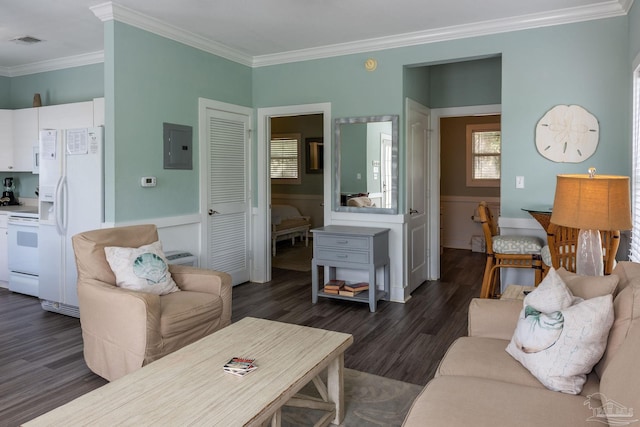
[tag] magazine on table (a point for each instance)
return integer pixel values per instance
(240, 366)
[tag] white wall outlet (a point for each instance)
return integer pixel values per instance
(358, 175)
(148, 181)
(519, 181)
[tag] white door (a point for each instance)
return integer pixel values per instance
(228, 203)
(417, 202)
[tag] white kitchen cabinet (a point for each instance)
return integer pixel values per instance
(4, 251)
(6, 140)
(25, 137)
(66, 116)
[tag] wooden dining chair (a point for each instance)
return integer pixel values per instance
(506, 251)
(562, 243)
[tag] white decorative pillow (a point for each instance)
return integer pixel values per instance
(560, 339)
(143, 269)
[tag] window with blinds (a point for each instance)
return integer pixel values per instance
(285, 158)
(634, 252)
(483, 155)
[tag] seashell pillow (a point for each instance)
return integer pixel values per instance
(559, 337)
(143, 269)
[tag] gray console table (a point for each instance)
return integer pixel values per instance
(359, 248)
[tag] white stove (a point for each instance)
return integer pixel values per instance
(22, 231)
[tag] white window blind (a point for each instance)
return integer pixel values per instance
(483, 155)
(285, 158)
(634, 254)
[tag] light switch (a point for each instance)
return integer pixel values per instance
(519, 181)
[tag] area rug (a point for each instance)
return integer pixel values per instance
(297, 258)
(370, 400)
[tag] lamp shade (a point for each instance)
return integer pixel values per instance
(600, 202)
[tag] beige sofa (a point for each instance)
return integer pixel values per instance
(479, 384)
(123, 330)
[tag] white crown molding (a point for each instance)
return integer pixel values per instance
(53, 64)
(610, 9)
(113, 11)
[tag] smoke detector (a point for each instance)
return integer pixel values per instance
(26, 40)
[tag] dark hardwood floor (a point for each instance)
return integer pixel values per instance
(41, 363)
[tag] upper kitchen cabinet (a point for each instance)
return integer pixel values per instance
(6, 140)
(66, 116)
(25, 138)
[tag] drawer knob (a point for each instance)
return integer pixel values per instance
(342, 242)
(342, 256)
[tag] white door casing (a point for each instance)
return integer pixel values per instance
(418, 251)
(225, 188)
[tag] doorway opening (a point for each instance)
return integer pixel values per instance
(268, 117)
(297, 188)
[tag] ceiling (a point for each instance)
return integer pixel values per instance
(269, 31)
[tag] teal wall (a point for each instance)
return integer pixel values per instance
(5, 92)
(584, 63)
(416, 81)
(58, 87)
(464, 83)
(148, 80)
(151, 80)
(634, 31)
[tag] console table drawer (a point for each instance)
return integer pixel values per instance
(344, 242)
(351, 257)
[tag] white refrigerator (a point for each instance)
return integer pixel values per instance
(71, 201)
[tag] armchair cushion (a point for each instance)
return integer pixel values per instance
(143, 269)
(183, 311)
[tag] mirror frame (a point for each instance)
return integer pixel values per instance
(394, 119)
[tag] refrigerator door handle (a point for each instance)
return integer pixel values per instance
(59, 210)
(65, 206)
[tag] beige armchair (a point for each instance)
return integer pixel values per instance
(124, 330)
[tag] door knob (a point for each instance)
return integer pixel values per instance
(412, 211)
(212, 212)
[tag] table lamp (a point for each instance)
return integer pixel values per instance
(592, 203)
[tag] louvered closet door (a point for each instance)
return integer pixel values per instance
(229, 205)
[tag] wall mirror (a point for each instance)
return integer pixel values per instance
(366, 161)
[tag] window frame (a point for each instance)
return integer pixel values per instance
(634, 245)
(287, 181)
(470, 129)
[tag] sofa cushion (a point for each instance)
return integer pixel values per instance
(486, 358)
(456, 401)
(143, 269)
(626, 272)
(589, 286)
(626, 307)
(560, 342)
(183, 311)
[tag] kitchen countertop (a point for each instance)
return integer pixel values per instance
(19, 208)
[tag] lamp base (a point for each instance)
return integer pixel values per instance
(589, 260)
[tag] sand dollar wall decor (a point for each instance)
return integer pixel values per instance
(568, 134)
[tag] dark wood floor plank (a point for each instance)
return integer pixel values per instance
(42, 366)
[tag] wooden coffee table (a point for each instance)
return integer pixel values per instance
(189, 387)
